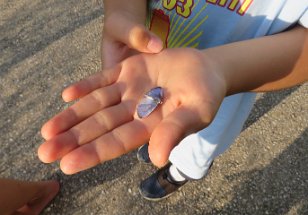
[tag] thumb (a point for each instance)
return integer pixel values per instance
(134, 35)
(170, 132)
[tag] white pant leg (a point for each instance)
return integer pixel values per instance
(195, 153)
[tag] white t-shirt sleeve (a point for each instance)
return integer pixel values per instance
(304, 19)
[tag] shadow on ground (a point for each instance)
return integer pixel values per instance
(267, 102)
(32, 75)
(276, 189)
(36, 25)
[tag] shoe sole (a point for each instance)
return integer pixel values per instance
(157, 199)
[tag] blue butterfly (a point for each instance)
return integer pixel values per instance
(149, 102)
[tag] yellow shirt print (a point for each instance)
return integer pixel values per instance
(182, 7)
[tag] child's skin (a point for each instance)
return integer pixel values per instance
(125, 33)
(103, 125)
(22, 197)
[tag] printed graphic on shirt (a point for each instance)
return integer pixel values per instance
(176, 24)
(174, 29)
(184, 7)
(235, 5)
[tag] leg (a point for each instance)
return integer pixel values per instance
(195, 153)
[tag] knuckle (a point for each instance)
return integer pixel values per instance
(98, 98)
(103, 121)
(118, 139)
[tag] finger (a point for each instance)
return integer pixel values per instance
(90, 84)
(26, 197)
(57, 147)
(48, 190)
(118, 142)
(102, 122)
(169, 132)
(86, 131)
(134, 35)
(90, 104)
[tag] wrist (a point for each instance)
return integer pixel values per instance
(124, 12)
(124, 16)
(217, 69)
(133, 9)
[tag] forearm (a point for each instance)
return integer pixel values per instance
(265, 64)
(137, 8)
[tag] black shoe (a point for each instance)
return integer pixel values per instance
(159, 185)
(143, 153)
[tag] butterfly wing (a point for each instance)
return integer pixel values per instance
(146, 106)
(156, 93)
(149, 102)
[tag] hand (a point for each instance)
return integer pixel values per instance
(103, 124)
(124, 35)
(25, 197)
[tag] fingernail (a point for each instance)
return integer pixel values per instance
(155, 45)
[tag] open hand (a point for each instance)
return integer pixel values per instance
(103, 124)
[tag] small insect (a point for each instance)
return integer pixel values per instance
(149, 102)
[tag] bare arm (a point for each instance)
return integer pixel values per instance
(266, 64)
(132, 7)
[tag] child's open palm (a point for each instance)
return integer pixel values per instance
(103, 124)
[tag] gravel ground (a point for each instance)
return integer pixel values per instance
(46, 45)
